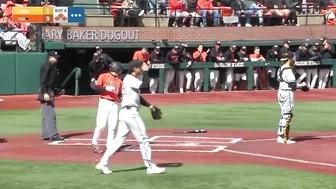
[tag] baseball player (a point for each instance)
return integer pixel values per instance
(185, 57)
(130, 121)
(199, 56)
(287, 86)
(312, 74)
(272, 55)
(155, 57)
(172, 58)
(230, 56)
(301, 54)
(328, 52)
(109, 86)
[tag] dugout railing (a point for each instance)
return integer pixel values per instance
(249, 65)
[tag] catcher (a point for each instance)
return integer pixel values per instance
(287, 86)
(130, 121)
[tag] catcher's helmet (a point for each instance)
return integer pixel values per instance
(286, 55)
(116, 67)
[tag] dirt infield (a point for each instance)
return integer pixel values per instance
(312, 152)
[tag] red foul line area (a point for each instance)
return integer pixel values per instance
(30, 102)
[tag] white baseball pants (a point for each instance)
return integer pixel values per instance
(169, 76)
(199, 76)
(323, 78)
(241, 76)
(181, 75)
(302, 74)
(229, 79)
(107, 114)
(153, 84)
(311, 82)
(214, 74)
(130, 121)
(271, 70)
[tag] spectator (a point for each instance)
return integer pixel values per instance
(302, 54)
(216, 55)
(199, 56)
(177, 11)
(272, 55)
(5, 25)
(206, 7)
(240, 73)
(131, 10)
(185, 57)
(8, 9)
(192, 9)
(315, 55)
(172, 58)
(155, 57)
(278, 8)
(249, 8)
(142, 56)
(230, 56)
(328, 52)
(256, 57)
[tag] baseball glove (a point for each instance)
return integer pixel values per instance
(305, 88)
(156, 113)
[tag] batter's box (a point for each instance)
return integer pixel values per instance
(187, 149)
(197, 139)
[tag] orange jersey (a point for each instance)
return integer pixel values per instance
(107, 79)
(200, 57)
(141, 57)
(254, 57)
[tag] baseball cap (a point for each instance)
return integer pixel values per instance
(286, 55)
(134, 64)
(287, 42)
(275, 46)
(233, 46)
(305, 45)
(316, 44)
(243, 48)
(53, 54)
(176, 47)
(98, 48)
(157, 48)
(218, 43)
(323, 39)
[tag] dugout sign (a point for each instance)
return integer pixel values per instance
(307, 63)
(157, 66)
(229, 65)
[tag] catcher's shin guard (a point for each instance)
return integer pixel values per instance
(284, 126)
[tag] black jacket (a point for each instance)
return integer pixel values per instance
(97, 68)
(272, 56)
(156, 57)
(328, 53)
(49, 80)
(230, 56)
(173, 58)
(214, 54)
(106, 59)
(315, 55)
(186, 57)
(302, 55)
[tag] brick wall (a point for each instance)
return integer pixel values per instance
(147, 34)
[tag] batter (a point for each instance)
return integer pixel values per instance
(130, 121)
(287, 86)
(109, 87)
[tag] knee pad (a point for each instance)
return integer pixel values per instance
(285, 124)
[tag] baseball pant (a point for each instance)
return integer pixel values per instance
(323, 78)
(169, 76)
(229, 79)
(107, 114)
(199, 75)
(255, 78)
(286, 102)
(181, 75)
(302, 74)
(271, 72)
(49, 128)
(240, 76)
(130, 121)
(153, 84)
(214, 74)
(311, 82)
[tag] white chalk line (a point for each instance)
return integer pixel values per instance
(198, 137)
(163, 141)
(216, 150)
(274, 139)
(280, 158)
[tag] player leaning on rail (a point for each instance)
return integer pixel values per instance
(287, 86)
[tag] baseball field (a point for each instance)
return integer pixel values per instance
(239, 151)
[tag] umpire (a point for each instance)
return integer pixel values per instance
(47, 93)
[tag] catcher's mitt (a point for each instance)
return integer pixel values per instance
(305, 88)
(156, 113)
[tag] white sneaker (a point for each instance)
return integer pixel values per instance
(248, 25)
(105, 170)
(181, 91)
(141, 13)
(155, 170)
(282, 141)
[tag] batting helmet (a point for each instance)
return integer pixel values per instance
(116, 67)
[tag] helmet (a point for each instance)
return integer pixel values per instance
(116, 66)
(286, 55)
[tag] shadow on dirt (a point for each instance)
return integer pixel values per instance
(171, 165)
(305, 138)
(3, 140)
(76, 134)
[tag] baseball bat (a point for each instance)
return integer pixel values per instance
(191, 131)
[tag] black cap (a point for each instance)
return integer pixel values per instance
(157, 48)
(98, 48)
(316, 44)
(287, 42)
(323, 39)
(286, 55)
(134, 64)
(218, 43)
(275, 46)
(95, 54)
(53, 54)
(243, 48)
(305, 45)
(176, 47)
(233, 46)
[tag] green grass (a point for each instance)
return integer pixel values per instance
(35, 175)
(308, 116)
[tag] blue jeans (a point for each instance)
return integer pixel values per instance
(162, 5)
(204, 14)
(254, 9)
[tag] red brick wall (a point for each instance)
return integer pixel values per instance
(148, 34)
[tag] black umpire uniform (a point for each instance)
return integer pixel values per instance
(49, 89)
